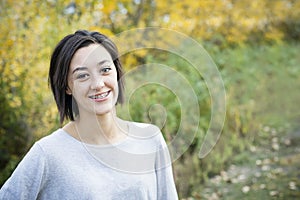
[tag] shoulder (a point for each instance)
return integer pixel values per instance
(144, 128)
(39, 148)
(56, 137)
(146, 132)
(55, 143)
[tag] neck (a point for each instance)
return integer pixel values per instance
(100, 129)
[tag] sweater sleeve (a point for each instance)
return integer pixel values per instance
(166, 189)
(26, 181)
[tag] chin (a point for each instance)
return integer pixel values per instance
(100, 112)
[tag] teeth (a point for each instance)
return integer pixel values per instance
(100, 96)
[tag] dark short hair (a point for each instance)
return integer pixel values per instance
(60, 64)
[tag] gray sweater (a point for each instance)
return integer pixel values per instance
(60, 167)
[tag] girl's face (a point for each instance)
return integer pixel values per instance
(92, 80)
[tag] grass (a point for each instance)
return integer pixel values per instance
(268, 174)
(263, 90)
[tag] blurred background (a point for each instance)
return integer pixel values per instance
(255, 45)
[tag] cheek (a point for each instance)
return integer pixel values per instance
(79, 88)
(112, 82)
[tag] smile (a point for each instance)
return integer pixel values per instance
(100, 96)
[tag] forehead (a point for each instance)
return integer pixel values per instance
(89, 55)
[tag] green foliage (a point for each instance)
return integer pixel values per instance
(13, 127)
(262, 84)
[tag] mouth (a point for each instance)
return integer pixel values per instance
(100, 96)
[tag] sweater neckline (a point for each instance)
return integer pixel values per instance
(115, 144)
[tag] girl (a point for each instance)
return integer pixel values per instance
(96, 155)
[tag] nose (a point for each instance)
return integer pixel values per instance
(97, 83)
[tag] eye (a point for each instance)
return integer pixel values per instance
(82, 76)
(105, 70)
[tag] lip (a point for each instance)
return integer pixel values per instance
(92, 97)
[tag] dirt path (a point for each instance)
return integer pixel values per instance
(273, 172)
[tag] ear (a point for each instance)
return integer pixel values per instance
(68, 91)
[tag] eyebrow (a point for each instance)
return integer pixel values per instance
(85, 68)
(78, 69)
(103, 62)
